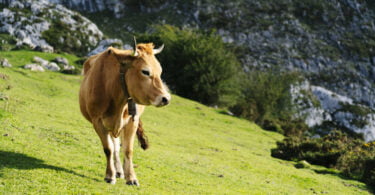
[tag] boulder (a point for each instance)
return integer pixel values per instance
(44, 48)
(5, 63)
(52, 66)
(34, 67)
(104, 44)
(16, 4)
(40, 61)
(28, 28)
(61, 60)
(68, 67)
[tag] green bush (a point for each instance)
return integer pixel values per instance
(358, 162)
(322, 151)
(353, 157)
(63, 39)
(369, 172)
(7, 42)
(266, 99)
(197, 65)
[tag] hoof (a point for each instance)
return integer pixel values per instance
(132, 183)
(119, 175)
(109, 180)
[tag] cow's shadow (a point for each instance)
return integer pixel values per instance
(22, 161)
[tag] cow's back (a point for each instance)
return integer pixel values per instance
(87, 85)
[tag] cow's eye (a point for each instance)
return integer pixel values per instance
(146, 72)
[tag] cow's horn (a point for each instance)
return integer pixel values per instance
(158, 50)
(135, 47)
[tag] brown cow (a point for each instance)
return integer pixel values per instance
(113, 81)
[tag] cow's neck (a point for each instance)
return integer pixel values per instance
(132, 109)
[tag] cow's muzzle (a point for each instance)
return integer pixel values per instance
(162, 100)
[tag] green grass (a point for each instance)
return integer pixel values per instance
(47, 147)
(21, 57)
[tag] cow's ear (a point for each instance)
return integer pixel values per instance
(110, 50)
(122, 56)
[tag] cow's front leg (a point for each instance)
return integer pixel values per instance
(127, 144)
(118, 166)
(108, 147)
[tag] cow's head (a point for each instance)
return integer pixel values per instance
(143, 73)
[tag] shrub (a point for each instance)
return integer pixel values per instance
(322, 151)
(266, 99)
(357, 162)
(354, 157)
(197, 65)
(369, 172)
(63, 39)
(7, 42)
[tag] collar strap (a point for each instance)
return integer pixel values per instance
(132, 109)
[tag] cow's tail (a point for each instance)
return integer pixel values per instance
(142, 138)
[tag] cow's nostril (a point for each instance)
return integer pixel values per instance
(164, 100)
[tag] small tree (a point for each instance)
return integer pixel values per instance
(197, 65)
(266, 96)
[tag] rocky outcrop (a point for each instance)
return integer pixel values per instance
(324, 110)
(116, 6)
(47, 27)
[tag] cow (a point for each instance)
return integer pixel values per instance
(116, 87)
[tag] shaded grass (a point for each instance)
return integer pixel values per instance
(47, 147)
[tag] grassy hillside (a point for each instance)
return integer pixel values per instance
(46, 146)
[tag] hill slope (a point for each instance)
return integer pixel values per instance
(46, 146)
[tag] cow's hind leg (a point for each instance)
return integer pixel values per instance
(108, 147)
(118, 166)
(129, 133)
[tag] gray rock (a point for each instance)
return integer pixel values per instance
(373, 60)
(44, 48)
(5, 63)
(40, 61)
(68, 67)
(103, 45)
(333, 108)
(28, 28)
(34, 67)
(61, 60)
(129, 47)
(52, 66)
(16, 4)
(329, 100)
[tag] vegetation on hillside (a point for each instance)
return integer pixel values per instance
(266, 99)
(64, 39)
(194, 59)
(197, 65)
(354, 157)
(47, 147)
